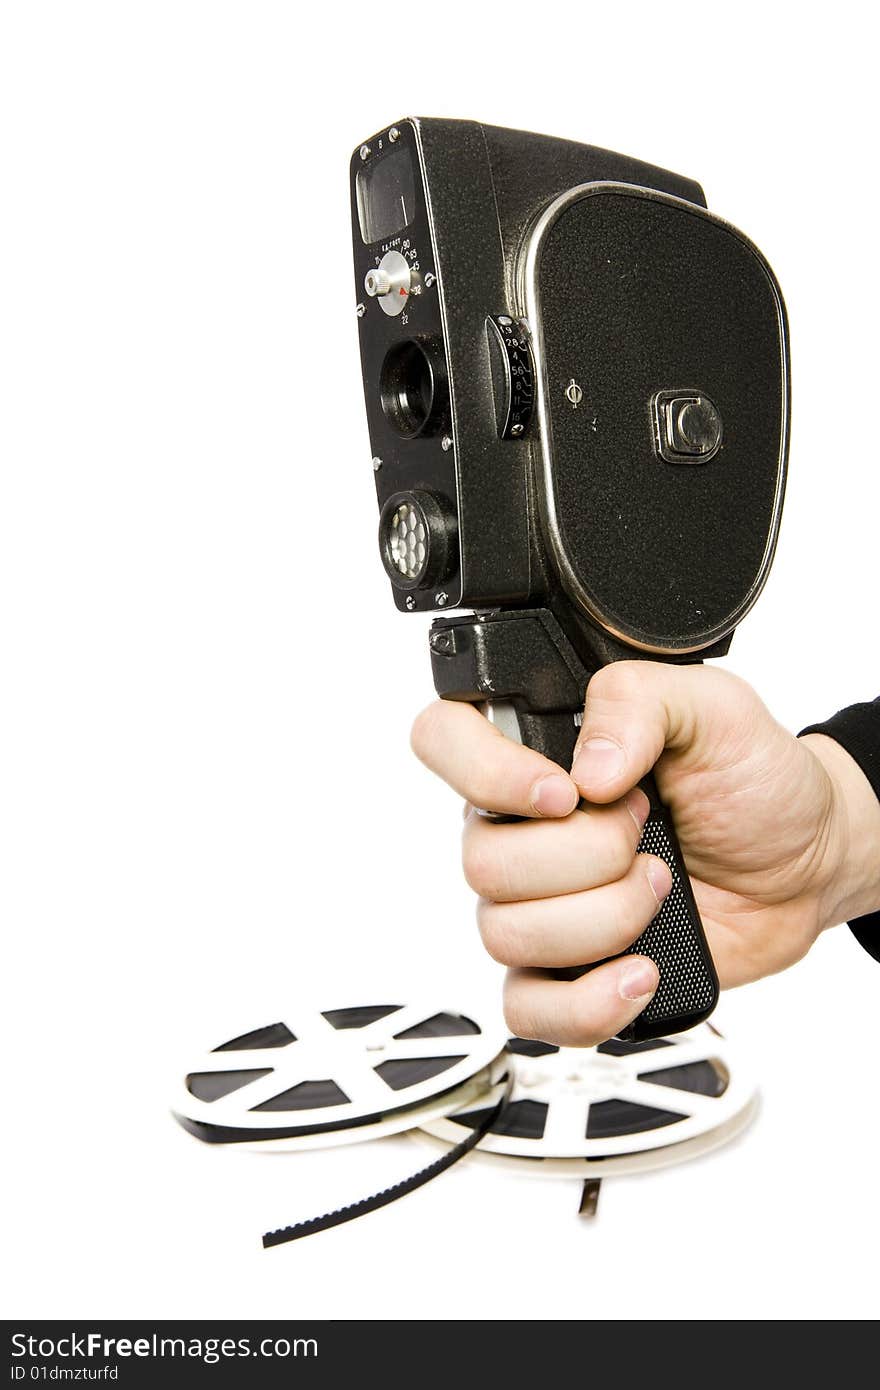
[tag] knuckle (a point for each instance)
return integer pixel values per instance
(616, 918)
(623, 853)
(519, 1013)
(482, 864)
(425, 732)
(620, 845)
(589, 1022)
(590, 1035)
(501, 934)
(483, 790)
(620, 680)
(630, 912)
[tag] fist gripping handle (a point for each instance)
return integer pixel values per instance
(521, 663)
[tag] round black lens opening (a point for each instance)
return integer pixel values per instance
(407, 388)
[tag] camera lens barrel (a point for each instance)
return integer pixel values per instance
(413, 387)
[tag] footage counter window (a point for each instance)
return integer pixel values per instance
(386, 195)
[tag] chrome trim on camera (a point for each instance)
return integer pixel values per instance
(530, 307)
(436, 280)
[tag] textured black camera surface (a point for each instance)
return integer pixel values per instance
(639, 294)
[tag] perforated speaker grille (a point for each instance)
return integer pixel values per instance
(674, 939)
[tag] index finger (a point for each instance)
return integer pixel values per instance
(454, 740)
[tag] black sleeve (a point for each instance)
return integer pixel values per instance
(857, 729)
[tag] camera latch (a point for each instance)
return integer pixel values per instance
(687, 426)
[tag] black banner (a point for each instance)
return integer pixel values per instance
(207, 1353)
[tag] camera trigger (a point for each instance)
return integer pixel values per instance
(502, 714)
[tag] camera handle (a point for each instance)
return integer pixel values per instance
(522, 664)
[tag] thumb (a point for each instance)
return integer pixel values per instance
(634, 710)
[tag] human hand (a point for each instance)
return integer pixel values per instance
(779, 835)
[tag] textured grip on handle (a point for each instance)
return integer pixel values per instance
(674, 939)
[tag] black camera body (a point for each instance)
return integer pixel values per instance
(577, 389)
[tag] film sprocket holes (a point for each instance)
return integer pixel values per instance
(577, 391)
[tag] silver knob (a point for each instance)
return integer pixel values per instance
(390, 282)
(377, 282)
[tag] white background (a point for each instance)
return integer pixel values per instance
(209, 809)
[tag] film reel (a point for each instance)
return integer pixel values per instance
(619, 1108)
(339, 1076)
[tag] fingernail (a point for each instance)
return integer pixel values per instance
(638, 979)
(553, 795)
(660, 879)
(638, 806)
(598, 761)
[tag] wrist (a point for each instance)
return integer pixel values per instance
(850, 879)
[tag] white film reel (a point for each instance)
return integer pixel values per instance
(339, 1076)
(619, 1108)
